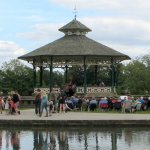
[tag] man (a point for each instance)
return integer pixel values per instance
(38, 101)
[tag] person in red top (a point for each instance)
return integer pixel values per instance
(12, 107)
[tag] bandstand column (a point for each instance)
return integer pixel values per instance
(112, 75)
(66, 74)
(41, 75)
(51, 74)
(116, 77)
(96, 67)
(34, 75)
(85, 75)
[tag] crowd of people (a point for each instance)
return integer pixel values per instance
(10, 103)
(53, 103)
(64, 101)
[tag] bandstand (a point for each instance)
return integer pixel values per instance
(74, 49)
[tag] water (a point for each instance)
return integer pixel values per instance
(75, 139)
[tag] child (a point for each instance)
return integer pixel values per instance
(7, 104)
(12, 107)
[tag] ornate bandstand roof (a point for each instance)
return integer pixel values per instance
(73, 46)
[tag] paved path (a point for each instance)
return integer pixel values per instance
(78, 116)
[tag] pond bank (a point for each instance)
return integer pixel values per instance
(28, 118)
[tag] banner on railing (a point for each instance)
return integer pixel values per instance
(80, 90)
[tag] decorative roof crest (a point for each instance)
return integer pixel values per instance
(75, 12)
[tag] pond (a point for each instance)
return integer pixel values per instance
(75, 139)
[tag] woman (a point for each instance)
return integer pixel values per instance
(44, 101)
(16, 99)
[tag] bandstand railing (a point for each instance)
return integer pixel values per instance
(80, 90)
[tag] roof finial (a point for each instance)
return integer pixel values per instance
(75, 12)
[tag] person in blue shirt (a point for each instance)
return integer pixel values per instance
(93, 104)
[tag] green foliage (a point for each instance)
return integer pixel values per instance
(135, 76)
(16, 76)
(76, 74)
(57, 78)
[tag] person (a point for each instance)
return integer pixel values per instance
(102, 84)
(80, 103)
(44, 101)
(69, 89)
(67, 108)
(103, 104)
(52, 102)
(61, 99)
(61, 104)
(16, 99)
(38, 102)
(1, 104)
(12, 107)
(93, 104)
(142, 102)
(7, 104)
(126, 106)
(75, 100)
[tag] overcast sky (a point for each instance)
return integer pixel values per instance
(28, 24)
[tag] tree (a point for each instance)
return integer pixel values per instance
(135, 76)
(16, 76)
(76, 74)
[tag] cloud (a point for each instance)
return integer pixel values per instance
(130, 50)
(125, 35)
(119, 30)
(41, 32)
(130, 8)
(10, 50)
(114, 29)
(87, 3)
(105, 4)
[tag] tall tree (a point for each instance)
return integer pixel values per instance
(16, 76)
(135, 76)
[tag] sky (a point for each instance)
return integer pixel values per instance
(25, 25)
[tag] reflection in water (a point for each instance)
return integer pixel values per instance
(63, 140)
(0, 140)
(15, 140)
(73, 139)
